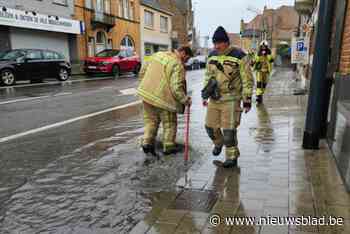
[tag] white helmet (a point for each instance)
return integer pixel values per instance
(265, 43)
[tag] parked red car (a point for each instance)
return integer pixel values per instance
(113, 62)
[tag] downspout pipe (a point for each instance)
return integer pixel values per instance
(319, 86)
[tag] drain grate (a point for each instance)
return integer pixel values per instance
(201, 201)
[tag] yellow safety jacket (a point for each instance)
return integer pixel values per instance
(264, 63)
(163, 83)
(233, 74)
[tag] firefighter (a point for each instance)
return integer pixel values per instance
(263, 66)
(163, 91)
(228, 82)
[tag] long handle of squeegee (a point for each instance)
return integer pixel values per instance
(187, 133)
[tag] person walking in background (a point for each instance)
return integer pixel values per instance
(263, 67)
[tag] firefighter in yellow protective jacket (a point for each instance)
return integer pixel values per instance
(228, 81)
(163, 91)
(263, 66)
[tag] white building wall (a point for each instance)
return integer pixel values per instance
(154, 36)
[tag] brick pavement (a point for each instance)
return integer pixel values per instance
(275, 176)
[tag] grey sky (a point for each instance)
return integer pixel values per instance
(228, 13)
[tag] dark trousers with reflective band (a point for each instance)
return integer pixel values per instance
(261, 82)
(153, 116)
(222, 121)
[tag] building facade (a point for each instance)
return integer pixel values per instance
(332, 86)
(182, 21)
(39, 24)
(109, 24)
(277, 26)
(155, 28)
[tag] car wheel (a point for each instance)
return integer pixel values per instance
(63, 74)
(7, 77)
(115, 71)
(137, 69)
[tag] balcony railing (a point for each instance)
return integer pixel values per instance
(103, 18)
(304, 6)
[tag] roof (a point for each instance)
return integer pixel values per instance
(155, 5)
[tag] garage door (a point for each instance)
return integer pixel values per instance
(26, 38)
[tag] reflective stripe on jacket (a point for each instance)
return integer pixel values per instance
(233, 73)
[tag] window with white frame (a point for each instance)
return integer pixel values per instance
(164, 24)
(149, 19)
(126, 9)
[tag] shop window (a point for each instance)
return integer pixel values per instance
(149, 19)
(148, 49)
(127, 43)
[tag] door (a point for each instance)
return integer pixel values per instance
(35, 65)
(50, 63)
(123, 63)
(131, 62)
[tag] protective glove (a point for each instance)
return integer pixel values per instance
(247, 104)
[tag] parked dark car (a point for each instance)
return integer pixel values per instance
(113, 62)
(33, 65)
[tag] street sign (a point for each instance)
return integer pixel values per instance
(300, 50)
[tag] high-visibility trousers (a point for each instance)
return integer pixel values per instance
(153, 116)
(222, 121)
(261, 82)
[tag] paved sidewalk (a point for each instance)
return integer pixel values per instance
(275, 177)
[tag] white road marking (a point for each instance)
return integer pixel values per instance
(56, 82)
(62, 94)
(34, 98)
(59, 124)
(130, 91)
(22, 100)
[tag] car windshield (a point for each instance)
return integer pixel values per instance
(12, 55)
(107, 53)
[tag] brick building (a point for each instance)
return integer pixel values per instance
(235, 39)
(108, 24)
(274, 25)
(182, 21)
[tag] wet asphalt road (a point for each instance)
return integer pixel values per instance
(85, 177)
(30, 107)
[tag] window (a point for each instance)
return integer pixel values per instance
(49, 55)
(34, 55)
(148, 19)
(58, 55)
(123, 54)
(100, 38)
(88, 4)
(103, 6)
(129, 53)
(131, 10)
(126, 9)
(127, 43)
(107, 6)
(99, 5)
(163, 24)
